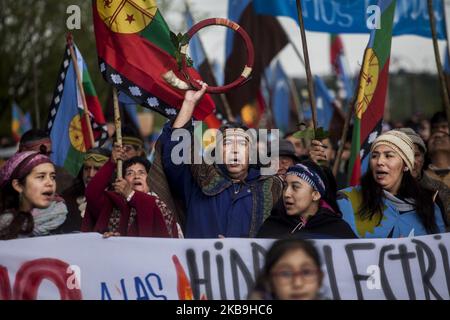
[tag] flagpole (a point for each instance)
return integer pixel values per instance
(299, 55)
(438, 61)
(80, 87)
(348, 118)
(118, 125)
(312, 99)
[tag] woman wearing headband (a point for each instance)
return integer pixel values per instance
(305, 209)
(27, 181)
(390, 203)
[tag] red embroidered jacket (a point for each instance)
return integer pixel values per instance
(148, 221)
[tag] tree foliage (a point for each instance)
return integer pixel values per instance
(33, 37)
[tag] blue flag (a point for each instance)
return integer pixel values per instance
(235, 10)
(446, 61)
(281, 98)
(195, 47)
(331, 16)
(20, 123)
(324, 103)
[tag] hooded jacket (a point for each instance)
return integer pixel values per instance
(214, 205)
(325, 224)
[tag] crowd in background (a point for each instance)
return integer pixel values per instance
(404, 192)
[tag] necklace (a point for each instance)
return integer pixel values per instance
(236, 190)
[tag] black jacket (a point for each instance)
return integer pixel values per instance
(325, 224)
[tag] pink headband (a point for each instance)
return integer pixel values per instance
(21, 164)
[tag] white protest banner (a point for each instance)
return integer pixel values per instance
(86, 266)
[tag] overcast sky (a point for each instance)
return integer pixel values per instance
(411, 53)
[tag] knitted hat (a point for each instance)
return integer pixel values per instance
(414, 137)
(20, 165)
(400, 143)
(286, 148)
(134, 141)
(309, 175)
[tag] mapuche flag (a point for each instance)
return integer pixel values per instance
(135, 51)
(369, 108)
(66, 122)
(20, 123)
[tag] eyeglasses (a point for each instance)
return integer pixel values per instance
(306, 275)
(139, 173)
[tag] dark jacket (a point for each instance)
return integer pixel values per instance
(214, 204)
(75, 200)
(325, 224)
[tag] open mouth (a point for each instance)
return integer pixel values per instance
(381, 174)
(48, 194)
(137, 184)
(288, 204)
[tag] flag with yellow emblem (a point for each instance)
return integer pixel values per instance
(137, 55)
(67, 122)
(373, 82)
(20, 123)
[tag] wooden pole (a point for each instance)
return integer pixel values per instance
(299, 55)
(438, 62)
(348, 118)
(312, 99)
(81, 89)
(118, 125)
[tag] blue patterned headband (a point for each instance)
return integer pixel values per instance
(309, 175)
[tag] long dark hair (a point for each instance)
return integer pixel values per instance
(9, 204)
(278, 250)
(372, 202)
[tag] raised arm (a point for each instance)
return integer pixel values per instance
(191, 100)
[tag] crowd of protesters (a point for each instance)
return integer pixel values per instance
(404, 192)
